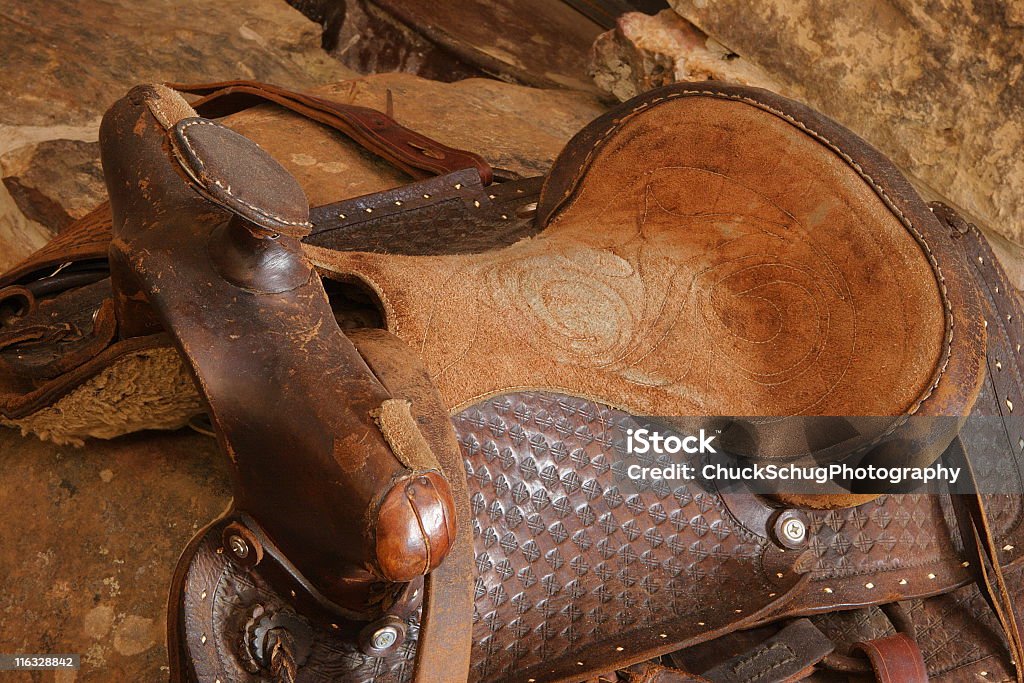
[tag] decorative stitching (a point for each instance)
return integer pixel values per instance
(227, 189)
(879, 190)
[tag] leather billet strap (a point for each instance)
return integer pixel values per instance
(331, 466)
(444, 641)
(977, 534)
(416, 154)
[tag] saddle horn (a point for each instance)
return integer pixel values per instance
(341, 488)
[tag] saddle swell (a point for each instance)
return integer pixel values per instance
(703, 251)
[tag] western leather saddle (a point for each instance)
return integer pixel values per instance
(425, 394)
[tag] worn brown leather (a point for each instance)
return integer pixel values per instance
(416, 154)
(895, 659)
(629, 293)
(344, 464)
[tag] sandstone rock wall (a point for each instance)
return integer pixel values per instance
(936, 84)
(64, 62)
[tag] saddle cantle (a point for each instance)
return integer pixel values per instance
(444, 496)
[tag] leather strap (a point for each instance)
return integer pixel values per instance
(789, 655)
(979, 534)
(895, 659)
(414, 153)
(446, 625)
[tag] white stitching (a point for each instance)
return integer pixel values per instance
(919, 237)
(227, 189)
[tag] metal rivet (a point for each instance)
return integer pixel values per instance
(701, 623)
(903, 582)
(663, 635)
(790, 529)
(238, 546)
(426, 196)
(398, 202)
(458, 186)
(1007, 547)
(476, 203)
(202, 639)
(931, 577)
(619, 649)
(369, 210)
(827, 590)
(869, 585)
(342, 216)
(384, 638)
(965, 564)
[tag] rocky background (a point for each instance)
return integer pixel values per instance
(91, 535)
(935, 84)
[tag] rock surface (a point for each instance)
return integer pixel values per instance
(65, 62)
(644, 52)
(90, 541)
(54, 182)
(531, 42)
(936, 84)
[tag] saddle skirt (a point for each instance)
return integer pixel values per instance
(471, 349)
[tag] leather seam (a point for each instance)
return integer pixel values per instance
(227, 189)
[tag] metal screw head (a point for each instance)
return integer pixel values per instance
(238, 546)
(794, 530)
(790, 529)
(384, 638)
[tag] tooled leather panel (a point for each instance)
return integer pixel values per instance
(956, 632)
(568, 556)
(887, 534)
(218, 601)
